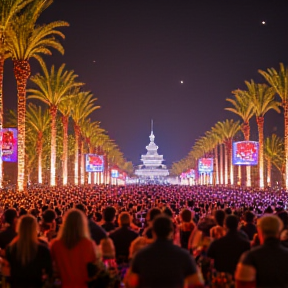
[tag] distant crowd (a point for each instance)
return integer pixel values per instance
(144, 236)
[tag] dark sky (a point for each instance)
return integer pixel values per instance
(142, 50)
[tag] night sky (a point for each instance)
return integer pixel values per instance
(133, 54)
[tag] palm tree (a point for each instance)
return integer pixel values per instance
(244, 108)
(274, 154)
(90, 130)
(262, 98)
(279, 80)
(82, 107)
(65, 107)
(52, 88)
(39, 121)
(216, 141)
(227, 130)
(27, 40)
(8, 11)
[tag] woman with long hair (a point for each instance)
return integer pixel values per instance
(27, 258)
(73, 250)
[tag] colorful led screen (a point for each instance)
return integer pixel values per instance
(205, 165)
(9, 144)
(114, 173)
(94, 163)
(245, 153)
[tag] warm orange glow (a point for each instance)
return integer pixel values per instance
(53, 112)
(22, 73)
(65, 149)
(82, 170)
(39, 150)
(239, 175)
(76, 160)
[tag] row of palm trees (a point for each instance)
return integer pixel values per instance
(256, 100)
(22, 38)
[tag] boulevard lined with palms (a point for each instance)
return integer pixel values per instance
(256, 101)
(22, 39)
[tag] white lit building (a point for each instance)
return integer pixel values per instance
(152, 170)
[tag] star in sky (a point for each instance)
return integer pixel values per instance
(181, 81)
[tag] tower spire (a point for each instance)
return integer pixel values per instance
(152, 137)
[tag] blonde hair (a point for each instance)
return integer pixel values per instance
(74, 228)
(136, 245)
(107, 248)
(26, 241)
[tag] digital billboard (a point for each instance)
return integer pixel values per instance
(114, 173)
(94, 163)
(205, 165)
(245, 153)
(191, 173)
(9, 144)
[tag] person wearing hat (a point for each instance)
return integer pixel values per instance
(265, 265)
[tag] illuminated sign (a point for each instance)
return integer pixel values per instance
(245, 153)
(9, 144)
(94, 163)
(114, 173)
(205, 165)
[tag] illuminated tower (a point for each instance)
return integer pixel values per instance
(152, 169)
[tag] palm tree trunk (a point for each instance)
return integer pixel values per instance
(90, 152)
(65, 149)
(82, 167)
(246, 132)
(269, 168)
(1, 109)
(230, 161)
(53, 113)
(39, 149)
(22, 72)
(260, 124)
(226, 163)
(285, 106)
(239, 175)
(76, 160)
(216, 164)
(221, 165)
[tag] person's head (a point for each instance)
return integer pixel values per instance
(98, 216)
(283, 215)
(219, 217)
(49, 216)
(162, 227)
(136, 245)
(10, 216)
(186, 215)
(26, 241)
(109, 214)
(167, 211)
(22, 211)
(81, 207)
(124, 219)
(249, 217)
(107, 248)
(231, 222)
(74, 228)
(228, 211)
(269, 226)
(153, 213)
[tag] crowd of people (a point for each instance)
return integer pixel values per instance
(144, 236)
